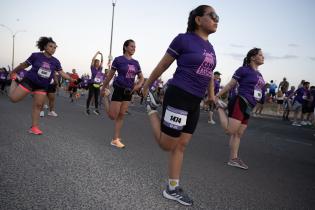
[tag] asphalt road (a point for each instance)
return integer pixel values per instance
(73, 166)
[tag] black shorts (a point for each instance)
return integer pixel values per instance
(180, 112)
(121, 94)
(279, 101)
(30, 86)
(239, 109)
(306, 108)
(72, 89)
(52, 88)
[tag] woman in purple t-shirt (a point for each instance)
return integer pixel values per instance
(251, 90)
(95, 81)
(196, 61)
(37, 80)
(124, 86)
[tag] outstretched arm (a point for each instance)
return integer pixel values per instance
(94, 57)
(165, 62)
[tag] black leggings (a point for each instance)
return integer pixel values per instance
(2, 85)
(93, 91)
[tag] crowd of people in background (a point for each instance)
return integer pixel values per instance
(194, 86)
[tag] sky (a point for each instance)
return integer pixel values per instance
(283, 29)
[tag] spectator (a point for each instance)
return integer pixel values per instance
(272, 89)
(284, 85)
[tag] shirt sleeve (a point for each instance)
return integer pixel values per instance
(115, 65)
(31, 59)
(58, 66)
(238, 74)
(139, 68)
(176, 46)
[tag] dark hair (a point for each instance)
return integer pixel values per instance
(306, 83)
(250, 54)
(199, 11)
(126, 44)
(43, 41)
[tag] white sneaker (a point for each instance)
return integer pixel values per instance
(211, 122)
(45, 106)
(53, 114)
(303, 123)
(296, 124)
(42, 114)
(309, 123)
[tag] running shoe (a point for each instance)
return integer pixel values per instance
(117, 143)
(96, 112)
(296, 124)
(303, 123)
(45, 106)
(221, 104)
(237, 162)
(153, 99)
(178, 195)
(87, 112)
(212, 122)
(152, 102)
(35, 130)
(42, 114)
(53, 114)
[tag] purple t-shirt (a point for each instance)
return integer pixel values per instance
(94, 71)
(99, 77)
(21, 74)
(196, 61)
(251, 84)
(127, 71)
(85, 81)
(313, 94)
(3, 75)
(233, 91)
(43, 69)
(300, 92)
(289, 94)
(216, 86)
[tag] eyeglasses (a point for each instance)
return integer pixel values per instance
(213, 16)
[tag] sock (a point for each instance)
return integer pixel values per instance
(173, 183)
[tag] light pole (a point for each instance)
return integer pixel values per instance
(110, 57)
(13, 39)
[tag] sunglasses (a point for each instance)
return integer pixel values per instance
(213, 16)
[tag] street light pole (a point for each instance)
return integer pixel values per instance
(110, 57)
(13, 40)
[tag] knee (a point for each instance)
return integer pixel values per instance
(239, 134)
(111, 116)
(38, 106)
(166, 147)
(181, 146)
(13, 99)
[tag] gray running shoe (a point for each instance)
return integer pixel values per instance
(178, 195)
(152, 102)
(237, 162)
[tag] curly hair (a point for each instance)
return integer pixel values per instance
(43, 41)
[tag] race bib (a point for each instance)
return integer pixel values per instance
(97, 80)
(257, 94)
(175, 118)
(44, 73)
